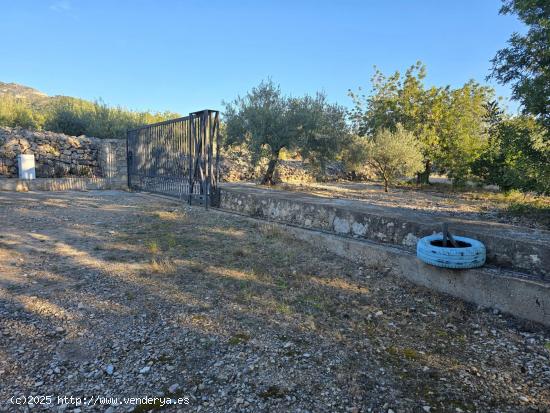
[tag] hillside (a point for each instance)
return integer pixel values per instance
(26, 107)
(21, 92)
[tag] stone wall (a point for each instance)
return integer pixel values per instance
(62, 156)
(237, 166)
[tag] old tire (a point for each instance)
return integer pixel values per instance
(471, 255)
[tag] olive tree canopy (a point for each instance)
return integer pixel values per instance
(267, 121)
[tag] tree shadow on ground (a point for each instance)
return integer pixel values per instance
(185, 289)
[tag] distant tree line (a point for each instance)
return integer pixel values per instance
(403, 128)
(74, 116)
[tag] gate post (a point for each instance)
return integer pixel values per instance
(128, 160)
(190, 169)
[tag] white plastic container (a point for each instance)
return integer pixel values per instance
(26, 166)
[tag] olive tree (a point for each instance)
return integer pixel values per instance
(266, 121)
(448, 123)
(390, 154)
(355, 155)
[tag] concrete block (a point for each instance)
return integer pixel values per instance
(26, 166)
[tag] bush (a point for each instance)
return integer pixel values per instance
(80, 117)
(74, 116)
(390, 154)
(518, 157)
(18, 112)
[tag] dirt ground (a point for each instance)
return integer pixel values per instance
(439, 199)
(112, 294)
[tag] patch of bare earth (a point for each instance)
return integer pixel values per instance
(115, 294)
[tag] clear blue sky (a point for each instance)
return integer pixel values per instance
(189, 55)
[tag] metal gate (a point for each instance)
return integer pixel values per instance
(178, 157)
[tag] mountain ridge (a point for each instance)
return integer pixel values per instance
(21, 91)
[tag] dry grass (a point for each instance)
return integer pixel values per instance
(247, 294)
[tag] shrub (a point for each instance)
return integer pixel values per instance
(518, 157)
(18, 112)
(390, 154)
(74, 116)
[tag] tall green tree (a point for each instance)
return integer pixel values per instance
(404, 100)
(448, 124)
(518, 156)
(324, 131)
(463, 131)
(267, 121)
(525, 63)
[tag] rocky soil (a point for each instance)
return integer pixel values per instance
(112, 295)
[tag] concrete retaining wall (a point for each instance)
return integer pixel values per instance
(61, 184)
(509, 292)
(377, 236)
(489, 288)
(509, 247)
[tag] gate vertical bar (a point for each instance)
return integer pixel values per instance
(217, 121)
(176, 157)
(191, 133)
(128, 160)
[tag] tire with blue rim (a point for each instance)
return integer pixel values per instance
(471, 255)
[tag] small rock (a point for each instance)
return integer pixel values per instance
(109, 369)
(173, 388)
(145, 370)
(426, 408)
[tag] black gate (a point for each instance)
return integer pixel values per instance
(178, 157)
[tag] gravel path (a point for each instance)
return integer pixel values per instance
(111, 295)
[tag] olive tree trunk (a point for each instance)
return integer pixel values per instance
(424, 177)
(268, 177)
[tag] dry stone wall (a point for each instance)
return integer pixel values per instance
(237, 166)
(62, 156)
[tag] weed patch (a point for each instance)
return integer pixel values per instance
(238, 338)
